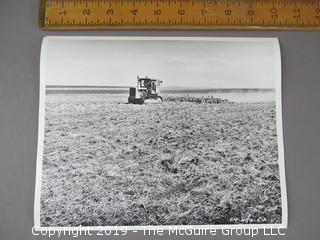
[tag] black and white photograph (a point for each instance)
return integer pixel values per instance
(160, 131)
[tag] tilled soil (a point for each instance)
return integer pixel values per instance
(178, 163)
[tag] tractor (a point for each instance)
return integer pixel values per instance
(147, 91)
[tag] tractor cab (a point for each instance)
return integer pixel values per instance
(147, 89)
(151, 86)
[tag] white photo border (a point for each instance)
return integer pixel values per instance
(41, 125)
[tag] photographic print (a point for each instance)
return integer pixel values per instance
(160, 131)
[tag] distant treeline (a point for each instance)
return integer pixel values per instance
(216, 90)
(85, 91)
(55, 89)
(77, 86)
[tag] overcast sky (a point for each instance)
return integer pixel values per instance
(189, 64)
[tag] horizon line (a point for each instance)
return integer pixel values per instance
(169, 88)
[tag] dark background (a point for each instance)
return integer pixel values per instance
(20, 41)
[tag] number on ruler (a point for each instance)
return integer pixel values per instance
(181, 12)
(110, 11)
(251, 12)
(274, 12)
(157, 12)
(134, 11)
(86, 12)
(228, 12)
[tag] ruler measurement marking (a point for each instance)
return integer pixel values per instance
(65, 14)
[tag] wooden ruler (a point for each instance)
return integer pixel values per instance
(179, 14)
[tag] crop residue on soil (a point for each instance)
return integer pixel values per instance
(178, 163)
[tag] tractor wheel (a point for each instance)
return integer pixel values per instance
(159, 99)
(141, 101)
(136, 100)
